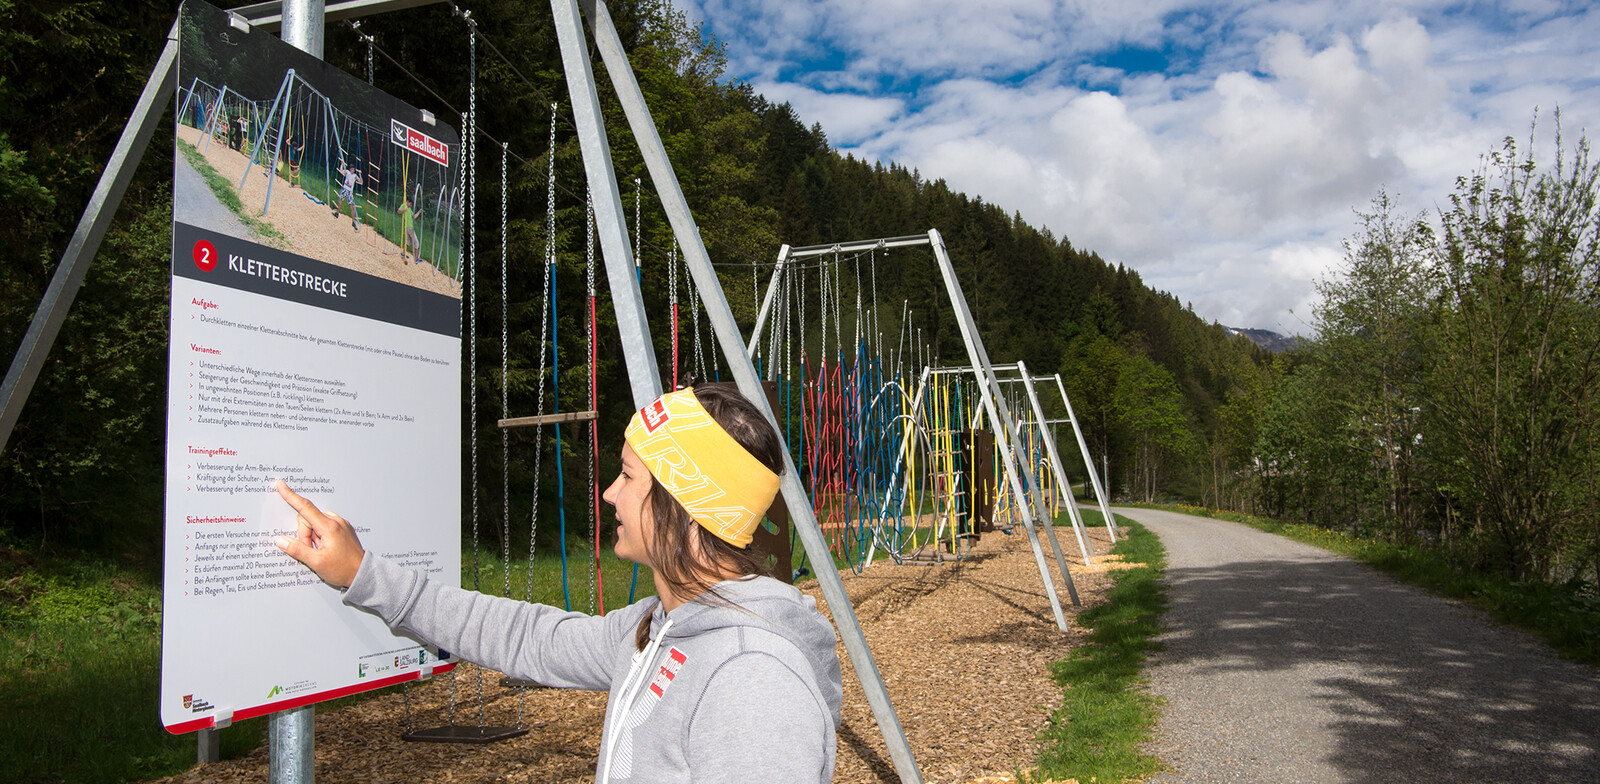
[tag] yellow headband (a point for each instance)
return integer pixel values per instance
(724, 488)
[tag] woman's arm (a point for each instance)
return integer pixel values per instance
(539, 643)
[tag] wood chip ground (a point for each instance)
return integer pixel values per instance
(310, 229)
(965, 649)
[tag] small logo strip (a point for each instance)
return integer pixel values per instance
(655, 415)
(668, 672)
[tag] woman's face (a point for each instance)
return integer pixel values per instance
(635, 526)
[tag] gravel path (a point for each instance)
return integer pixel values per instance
(196, 205)
(1284, 663)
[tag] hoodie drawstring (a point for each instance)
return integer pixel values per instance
(630, 689)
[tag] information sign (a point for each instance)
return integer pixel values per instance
(316, 338)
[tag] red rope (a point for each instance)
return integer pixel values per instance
(594, 442)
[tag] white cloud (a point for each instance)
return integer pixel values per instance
(1227, 180)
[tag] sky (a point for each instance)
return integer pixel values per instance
(1220, 149)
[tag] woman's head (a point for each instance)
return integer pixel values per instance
(695, 485)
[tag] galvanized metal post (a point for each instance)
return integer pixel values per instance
(1035, 497)
(290, 734)
(733, 349)
(995, 406)
(1055, 464)
(639, 354)
(75, 261)
(1088, 462)
(766, 302)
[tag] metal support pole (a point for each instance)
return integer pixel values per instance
(68, 277)
(208, 745)
(644, 375)
(1035, 499)
(766, 302)
(733, 349)
(290, 751)
(1055, 465)
(291, 733)
(1088, 462)
(995, 405)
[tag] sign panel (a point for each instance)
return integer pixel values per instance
(316, 338)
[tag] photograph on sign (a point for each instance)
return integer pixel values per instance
(316, 339)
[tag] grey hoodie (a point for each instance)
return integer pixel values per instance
(720, 694)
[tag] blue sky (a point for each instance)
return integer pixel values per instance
(1219, 148)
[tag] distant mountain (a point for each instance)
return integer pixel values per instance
(1267, 339)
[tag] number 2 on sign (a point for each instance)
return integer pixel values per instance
(205, 256)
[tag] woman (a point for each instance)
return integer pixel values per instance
(723, 676)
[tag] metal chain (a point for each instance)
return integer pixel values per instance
(699, 348)
(472, 265)
(411, 725)
(638, 230)
(838, 302)
(470, 230)
(589, 468)
(856, 346)
(877, 326)
(672, 293)
(505, 396)
(544, 331)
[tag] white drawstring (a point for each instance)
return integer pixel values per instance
(630, 689)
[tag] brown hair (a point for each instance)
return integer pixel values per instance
(687, 557)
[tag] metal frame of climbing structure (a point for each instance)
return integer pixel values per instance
(1057, 467)
(1023, 482)
(639, 354)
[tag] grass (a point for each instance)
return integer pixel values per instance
(82, 643)
(223, 190)
(1566, 616)
(1106, 715)
(78, 697)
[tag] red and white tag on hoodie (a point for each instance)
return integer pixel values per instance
(667, 672)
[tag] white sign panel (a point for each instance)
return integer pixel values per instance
(316, 339)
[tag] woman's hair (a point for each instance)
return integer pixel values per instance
(686, 556)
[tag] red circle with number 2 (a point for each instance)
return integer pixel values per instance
(205, 256)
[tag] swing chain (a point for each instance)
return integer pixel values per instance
(505, 398)
(471, 273)
(589, 466)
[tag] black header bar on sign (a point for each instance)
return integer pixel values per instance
(222, 260)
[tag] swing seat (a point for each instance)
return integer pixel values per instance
(461, 733)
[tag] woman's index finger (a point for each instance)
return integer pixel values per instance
(295, 500)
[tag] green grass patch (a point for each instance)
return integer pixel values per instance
(225, 193)
(1567, 616)
(1106, 714)
(82, 641)
(79, 695)
(616, 576)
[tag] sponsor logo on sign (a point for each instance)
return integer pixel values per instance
(419, 142)
(655, 415)
(195, 704)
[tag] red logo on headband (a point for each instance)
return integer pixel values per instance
(654, 415)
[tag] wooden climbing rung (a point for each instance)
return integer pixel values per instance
(550, 419)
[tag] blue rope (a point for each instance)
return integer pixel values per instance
(561, 486)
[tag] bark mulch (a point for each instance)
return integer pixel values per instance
(964, 648)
